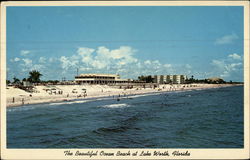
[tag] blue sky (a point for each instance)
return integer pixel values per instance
(130, 41)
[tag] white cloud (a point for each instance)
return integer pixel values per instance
(152, 67)
(233, 66)
(156, 62)
(85, 69)
(104, 57)
(227, 39)
(24, 52)
(121, 60)
(234, 56)
(121, 56)
(37, 67)
(68, 62)
(65, 62)
(167, 65)
(42, 60)
(147, 62)
(226, 68)
(28, 65)
(85, 54)
(188, 66)
(85, 51)
(218, 63)
(51, 59)
(15, 59)
(99, 64)
(27, 62)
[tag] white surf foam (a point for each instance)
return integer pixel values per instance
(139, 95)
(142, 95)
(122, 105)
(68, 102)
(22, 108)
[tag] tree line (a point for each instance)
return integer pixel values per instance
(150, 79)
(34, 77)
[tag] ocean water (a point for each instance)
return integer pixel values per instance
(211, 118)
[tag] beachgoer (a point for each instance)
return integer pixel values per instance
(23, 101)
(13, 100)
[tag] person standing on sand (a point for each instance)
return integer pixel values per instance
(23, 101)
(13, 100)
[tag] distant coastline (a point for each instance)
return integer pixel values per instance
(18, 97)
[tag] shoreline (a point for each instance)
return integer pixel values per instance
(96, 92)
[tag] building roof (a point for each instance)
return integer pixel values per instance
(99, 74)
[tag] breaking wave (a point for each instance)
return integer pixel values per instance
(116, 105)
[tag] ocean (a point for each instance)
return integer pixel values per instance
(211, 118)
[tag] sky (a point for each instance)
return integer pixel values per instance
(203, 41)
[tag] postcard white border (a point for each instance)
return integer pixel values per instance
(59, 153)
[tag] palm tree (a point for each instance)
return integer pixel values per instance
(16, 80)
(149, 79)
(170, 81)
(7, 81)
(34, 76)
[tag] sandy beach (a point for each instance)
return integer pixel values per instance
(57, 93)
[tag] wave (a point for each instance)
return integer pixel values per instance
(122, 105)
(68, 102)
(23, 108)
(140, 95)
(78, 101)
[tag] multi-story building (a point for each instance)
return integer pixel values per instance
(99, 79)
(166, 79)
(157, 78)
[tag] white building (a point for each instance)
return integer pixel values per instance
(180, 79)
(99, 79)
(157, 78)
(166, 79)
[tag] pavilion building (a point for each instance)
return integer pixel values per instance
(97, 78)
